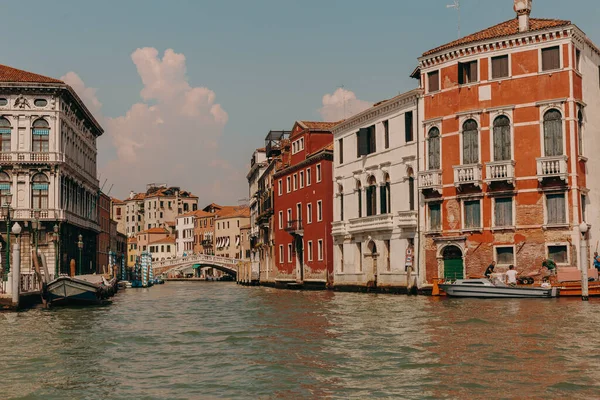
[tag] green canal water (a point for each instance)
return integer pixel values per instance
(219, 340)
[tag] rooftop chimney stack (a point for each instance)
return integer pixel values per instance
(523, 10)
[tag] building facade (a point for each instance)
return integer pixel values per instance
(162, 204)
(375, 196)
(227, 231)
(204, 232)
(258, 165)
(117, 213)
(185, 234)
(162, 249)
(104, 236)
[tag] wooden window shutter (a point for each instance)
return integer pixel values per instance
(470, 142)
(499, 67)
(408, 127)
(550, 58)
(363, 141)
(555, 208)
(502, 140)
(553, 144)
(433, 152)
(383, 199)
(461, 74)
(372, 142)
(473, 71)
(503, 211)
(341, 150)
(434, 81)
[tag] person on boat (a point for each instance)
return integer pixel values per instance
(511, 276)
(490, 269)
(597, 261)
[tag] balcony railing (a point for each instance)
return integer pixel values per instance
(33, 157)
(338, 228)
(384, 222)
(207, 243)
(499, 171)
(295, 227)
(552, 167)
(407, 219)
(431, 179)
(467, 174)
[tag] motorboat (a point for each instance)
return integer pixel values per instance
(486, 288)
(80, 289)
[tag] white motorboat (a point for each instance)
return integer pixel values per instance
(485, 288)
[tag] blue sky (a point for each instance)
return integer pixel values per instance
(268, 62)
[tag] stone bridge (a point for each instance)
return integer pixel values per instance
(228, 265)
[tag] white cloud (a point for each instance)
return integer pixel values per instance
(171, 136)
(87, 94)
(341, 104)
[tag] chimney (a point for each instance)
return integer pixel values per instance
(523, 10)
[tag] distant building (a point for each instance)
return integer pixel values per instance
(162, 249)
(204, 232)
(244, 253)
(103, 239)
(132, 251)
(150, 235)
(227, 230)
(185, 234)
(117, 213)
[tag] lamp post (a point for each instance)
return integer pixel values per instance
(80, 246)
(583, 228)
(35, 224)
(6, 214)
(56, 238)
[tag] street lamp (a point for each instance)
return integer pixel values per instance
(583, 228)
(35, 224)
(80, 246)
(6, 214)
(56, 238)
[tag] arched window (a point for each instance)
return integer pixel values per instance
(341, 195)
(502, 142)
(580, 131)
(5, 130)
(41, 134)
(372, 197)
(411, 189)
(470, 142)
(4, 188)
(384, 197)
(553, 140)
(39, 192)
(433, 155)
(372, 248)
(359, 193)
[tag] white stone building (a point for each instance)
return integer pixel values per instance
(185, 233)
(375, 197)
(258, 165)
(162, 249)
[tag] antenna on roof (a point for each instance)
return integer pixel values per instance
(456, 6)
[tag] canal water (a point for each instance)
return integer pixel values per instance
(218, 340)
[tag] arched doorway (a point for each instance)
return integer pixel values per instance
(453, 263)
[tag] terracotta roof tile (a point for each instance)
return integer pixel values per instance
(168, 239)
(507, 28)
(131, 240)
(10, 74)
(117, 201)
(155, 230)
(318, 125)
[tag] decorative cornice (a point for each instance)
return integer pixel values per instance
(326, 155)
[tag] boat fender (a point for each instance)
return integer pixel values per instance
(546, 285)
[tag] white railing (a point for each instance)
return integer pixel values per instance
(431, 179)
(407, 218)
(199, 258)
(28, 214)
(31, 283)
(382, 222)
(467, 174)
(34, 157)
(500, 171)
(555, 166)
(338, 228)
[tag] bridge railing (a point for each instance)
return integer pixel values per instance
(195, 258)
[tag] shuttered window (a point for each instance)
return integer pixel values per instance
(386, 134)
(505, 255)
(341, 150)
(359, 194)
(433, 152)
(499, 67)
(550, 58)
(365, 140)
(435, 217)
(502, 140)
(503, 211)
(383, 199)
(371, 200)
(411, 193)
(558, 254)
(467, 72)
(408, 127)
(555, 208)
(470, 142)
(553, 141)
(433, 79)
(580, 132)
(472, 214)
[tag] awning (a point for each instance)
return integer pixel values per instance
(41, 132)
(40, 186)
(4, 186)
(196, 266)
(4, 130)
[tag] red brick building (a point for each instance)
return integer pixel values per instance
(503, 172)
(303, 206)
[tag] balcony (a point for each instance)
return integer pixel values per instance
(27, 214)
(30, 157)
(207, 243)
(295, 228)
(384, 222)
(338, 228)
(500, 171)
(407, 219)
(467, 175)
(431, 180)
(552, 167)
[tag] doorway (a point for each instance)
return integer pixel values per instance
(299, 247)
(453, 263)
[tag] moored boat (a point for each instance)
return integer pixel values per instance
(81, 289)
(484, 288)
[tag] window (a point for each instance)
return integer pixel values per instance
(388, 264)
(384, 196)
(365, 140)
(301, 179)
(289, 215)
(553, 142)
(295, 180)
(40, 102)
(467, 72)
(579, 131)
(39, 192)
(386, 134)
(309, 213)
(555, 209)
(308, 178)
(310, 250)
(502, 140)
(319, 211)
(320, 249)
(558, 254)
(505, 255)
(341, 151)
(4, 188)
(433, 81)
(341, 257)
(577, 60)
(281, 254)
(289, 252)
(408, 127)
(299, 213)
(500, 67)
(41, 134)
(359, 256)
(280, 187)
(583, 198)
(372, 197)
(3, 101)
(433, 153)
(470, 142)
(318, 172)
(5, 131)
(503, 211)
(550, 58)
(341, 196)
(359, 194)
(472, 209)
(288, 184)
(435, 216)
(411, 190)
